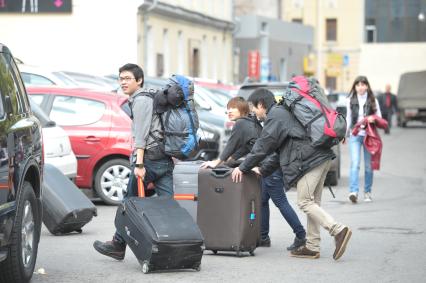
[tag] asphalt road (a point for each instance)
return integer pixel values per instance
(387, 245)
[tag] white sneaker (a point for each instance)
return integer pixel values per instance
(367, 197)
(353, 197)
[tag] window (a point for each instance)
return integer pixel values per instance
(8, 85)
(370, 33)
(331, 29)
(33, 79)
(195, 62)
(37, 98)
(160, 65)
(68, 111)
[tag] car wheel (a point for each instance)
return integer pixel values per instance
(20, 262)
(111, 180)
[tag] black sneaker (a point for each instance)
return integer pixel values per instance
(265, 242)
(296, 244)
(111, 248)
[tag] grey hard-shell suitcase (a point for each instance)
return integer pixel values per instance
(185, 185)
(161, 234)
(65, 208)
(229, 213)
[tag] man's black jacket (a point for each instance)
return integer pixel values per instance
(283, 134)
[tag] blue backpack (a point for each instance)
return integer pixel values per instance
(180, 121)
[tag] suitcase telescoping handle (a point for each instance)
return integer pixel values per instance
(221, 172)
(141, 188)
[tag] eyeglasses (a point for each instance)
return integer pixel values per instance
(125, 79)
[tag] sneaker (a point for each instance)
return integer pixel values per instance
(367, 197)
(296, 244)
(265, 242)
(304, 252)
(341, 240)
(353, 197)
(111, 248)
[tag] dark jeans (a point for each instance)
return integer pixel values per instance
(272, 188)
(388, 117)
(158, 171)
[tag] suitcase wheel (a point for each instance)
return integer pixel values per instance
(79, 231)
(214, 251)
(145, 267)
(251, 253)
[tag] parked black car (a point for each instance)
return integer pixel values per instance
(21, 162)
(278, 89)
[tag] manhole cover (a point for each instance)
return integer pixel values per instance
(390, 230)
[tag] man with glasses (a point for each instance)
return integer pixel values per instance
(148, 160)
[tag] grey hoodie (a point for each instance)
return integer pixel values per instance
(145, 124)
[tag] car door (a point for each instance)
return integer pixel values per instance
(17, 128)
(87, 123)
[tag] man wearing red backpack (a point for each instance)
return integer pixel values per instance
(302, 164)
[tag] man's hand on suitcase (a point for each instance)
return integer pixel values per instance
(139, 172)
(237, 175)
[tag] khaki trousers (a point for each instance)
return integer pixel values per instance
(309, 191)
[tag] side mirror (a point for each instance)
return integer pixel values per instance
(8, 105)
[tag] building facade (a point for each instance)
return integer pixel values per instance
(188, 37)
(191, 37)
(338, 35)
(378, 38)
(271, 49)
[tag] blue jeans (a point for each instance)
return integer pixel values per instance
(272, 188)
(355, 145)
(158, 171)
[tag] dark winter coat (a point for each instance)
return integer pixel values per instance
(283, 134)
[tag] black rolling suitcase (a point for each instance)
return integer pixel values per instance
(229, 213)
(65, 208)
(185, 185)
(161, 234)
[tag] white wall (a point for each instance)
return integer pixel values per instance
(383, 63)
(97, 37)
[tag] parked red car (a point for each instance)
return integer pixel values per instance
(98, 125)
(99, 131)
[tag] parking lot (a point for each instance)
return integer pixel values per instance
(387, 243)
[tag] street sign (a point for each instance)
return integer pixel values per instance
(35, 6)
(254, 64)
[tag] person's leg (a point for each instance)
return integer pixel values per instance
(307, 188)
(274, 184)
(161, 173)
(264, 228)
(388, 117)
(117, 247)
(355, 143)
(368, 173)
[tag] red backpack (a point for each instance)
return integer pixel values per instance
(305, 98)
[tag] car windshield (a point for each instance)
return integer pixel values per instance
(65, 79)
(41, 115)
